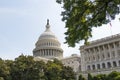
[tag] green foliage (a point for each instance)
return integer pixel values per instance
(113, 75)
(81, 16)
(56, 71)
(4, 70)
(117, 77)
(25, 68)
(67, 73)
(1, 78)
(81, 77)
(56, 61)
(100, 77)
(90, 76)
(53, 71)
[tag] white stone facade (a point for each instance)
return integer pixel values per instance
(73, 61)
(101, 56)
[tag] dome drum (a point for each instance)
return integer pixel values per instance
(48, 53)
(48, 42)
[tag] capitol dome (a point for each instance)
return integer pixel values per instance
(48, 45)
(48, 33)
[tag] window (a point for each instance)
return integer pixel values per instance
(98, 66)
(106, 46)
(93, 66)
(117, 44)
(103, 65)
(114, 64)
(101, 48)
(96, 49)
(88, 67)
(119, 62)
(111, 46)
(109, 64)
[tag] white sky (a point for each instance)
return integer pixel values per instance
(22, 22)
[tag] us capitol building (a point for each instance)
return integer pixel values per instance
(101, 56)
(48, 48)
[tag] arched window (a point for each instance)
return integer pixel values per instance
(93, 66)
(119, 62)
(103, 65)
(88, 67)
(114, 64)
(98, 66)
(109, 64)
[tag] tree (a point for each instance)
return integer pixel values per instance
(58, 62)
(4, 70)
(1, 78)
(81, 77)
(117, 78)
(57, 71)
(25, 68)
(100, 77)
(113, 75)
(67, 73)
(53, 71)
(90, 76)
(81, 16)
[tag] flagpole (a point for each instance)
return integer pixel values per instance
(111, 29)
(108, 16)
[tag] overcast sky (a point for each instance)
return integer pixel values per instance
(22, 22)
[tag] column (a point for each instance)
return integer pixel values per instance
(40, 53)
(99, 52)
(104, 51)
(48, 52)
(52, 52)
(57, 52)
(109, 50)
(115, 49)
(45, 53)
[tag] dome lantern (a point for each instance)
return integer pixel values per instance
(47, 26)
